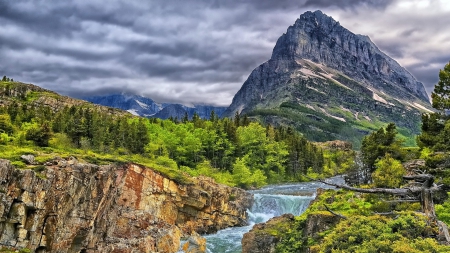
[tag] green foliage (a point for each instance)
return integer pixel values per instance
(4, 138)
(440, 97)
(377, 144)
(245, 178)
(338, 161)
(214, 147)
(442, 211)
(376, 233)
(40, 135)
(205, 169)
(362, 231)
(13, 250)
(5, 124)
(388, 173)
(436, 126)
(60, 141)
(166, 162)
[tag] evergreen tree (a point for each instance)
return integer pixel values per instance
(5, 124)
(213, 116)
(40, 135)
(441, 95)
(376, 145)
(436, 126)
(185, 118)
(237, 119)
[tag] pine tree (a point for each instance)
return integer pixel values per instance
(441, 95)
(237, 119)
(185, 118)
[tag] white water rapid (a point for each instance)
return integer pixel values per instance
(270, 201)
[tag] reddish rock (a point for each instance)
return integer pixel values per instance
(126, 208)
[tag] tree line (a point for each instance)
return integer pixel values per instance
(233, 150)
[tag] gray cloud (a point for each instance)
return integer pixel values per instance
(188, 51)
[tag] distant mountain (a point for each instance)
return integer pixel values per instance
(146, 107)
(174, 111)
(137, 105)
(330, 83)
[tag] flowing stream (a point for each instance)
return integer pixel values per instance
(270, 201)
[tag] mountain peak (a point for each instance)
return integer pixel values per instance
(319, 38)
(321, 74)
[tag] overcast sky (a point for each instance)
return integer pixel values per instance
(197, 51)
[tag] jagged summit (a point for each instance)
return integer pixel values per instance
(324, 72)
(318, 37)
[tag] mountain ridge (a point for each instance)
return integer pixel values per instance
(321, 73)
(147, 107)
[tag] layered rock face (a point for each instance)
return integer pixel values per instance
(74, 207)
(321, 73)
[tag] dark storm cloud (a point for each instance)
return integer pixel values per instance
(271, 5)
(344, 4)
(170, 50)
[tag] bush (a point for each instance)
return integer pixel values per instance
(60, 141)
(442, 211)
(4, 138)
(388, 173)
(167, 162)
(381, 234)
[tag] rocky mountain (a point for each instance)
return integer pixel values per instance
(330, 83)
(136, 105)
(146, 107)
(174, 111)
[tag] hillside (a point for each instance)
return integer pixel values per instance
(329, 83)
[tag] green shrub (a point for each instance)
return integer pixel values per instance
(442, 211)
(389, 172)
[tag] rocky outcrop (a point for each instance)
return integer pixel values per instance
(263, 237)
(336, 145)
(75, 207)
(321, 74)
(195, 244)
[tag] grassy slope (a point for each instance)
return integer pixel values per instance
(314, 103)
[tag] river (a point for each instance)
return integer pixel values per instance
(270, 201)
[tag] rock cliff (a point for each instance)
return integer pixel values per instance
(321, 75)
(75, 207)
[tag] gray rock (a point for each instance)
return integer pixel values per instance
(29, 159)
(332, 74)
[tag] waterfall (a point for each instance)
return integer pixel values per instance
(265, 207)
(270, 201)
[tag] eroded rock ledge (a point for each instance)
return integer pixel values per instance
(125, 208)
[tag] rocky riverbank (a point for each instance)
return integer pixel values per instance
(77, 207)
